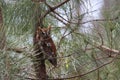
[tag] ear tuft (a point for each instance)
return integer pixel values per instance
(49, 27)
(39, 28)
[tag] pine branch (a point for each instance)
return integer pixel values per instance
(53, 8)
(17, 50)
(58, 19)
(81, 75)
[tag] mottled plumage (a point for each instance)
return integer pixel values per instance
(46, 44)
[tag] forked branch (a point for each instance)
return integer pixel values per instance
(53, 8)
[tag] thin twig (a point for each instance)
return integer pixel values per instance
(58, 19)
(111, 19)
(53, 8)
(81, 75)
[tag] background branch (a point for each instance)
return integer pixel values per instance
(53, 8)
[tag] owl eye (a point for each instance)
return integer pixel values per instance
(43, 33)
(48, 32)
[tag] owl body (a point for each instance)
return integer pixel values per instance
(46, 44)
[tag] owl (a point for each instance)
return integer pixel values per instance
(46, 44)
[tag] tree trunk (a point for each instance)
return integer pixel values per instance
(38, 61)
(2, 31)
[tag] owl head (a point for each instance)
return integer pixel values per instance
(44, 32)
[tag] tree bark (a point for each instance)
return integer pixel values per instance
(2, 31)
(38, 61)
